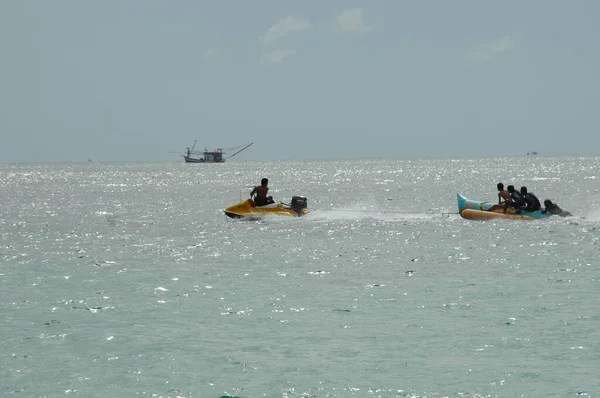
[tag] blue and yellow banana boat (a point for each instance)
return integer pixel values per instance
(477, 210)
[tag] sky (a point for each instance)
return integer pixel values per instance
(135, 80)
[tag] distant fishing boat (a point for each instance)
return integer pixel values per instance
(206, 156)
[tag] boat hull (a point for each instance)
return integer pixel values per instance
(247, 209)
(477, 210)
(201, 160)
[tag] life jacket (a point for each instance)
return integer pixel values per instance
(517, 198)
(533, 203)
(552, 208)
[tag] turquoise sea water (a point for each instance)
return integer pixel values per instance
(127, 280)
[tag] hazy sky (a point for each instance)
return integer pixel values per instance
(132, 80)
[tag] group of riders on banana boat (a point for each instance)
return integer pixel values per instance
(524, 200)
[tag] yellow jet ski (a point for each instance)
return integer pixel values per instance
(247, 209)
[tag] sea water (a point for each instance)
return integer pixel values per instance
(127, 280)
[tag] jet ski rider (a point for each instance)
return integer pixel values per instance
(261, 191)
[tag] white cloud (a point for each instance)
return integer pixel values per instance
(284, 27)
(351, 21)
(276, 56)
(210, 53)
(487, 51)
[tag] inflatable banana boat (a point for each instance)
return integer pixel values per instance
(476, 210)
